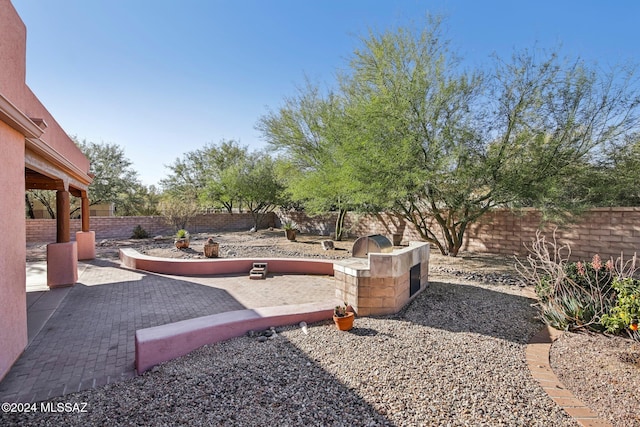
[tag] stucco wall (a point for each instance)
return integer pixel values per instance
(13, 311)
(13, 308)
(54, 135)
(12, 53)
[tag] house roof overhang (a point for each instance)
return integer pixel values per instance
(45, 167)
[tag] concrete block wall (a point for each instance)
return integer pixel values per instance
(107, 227)
(605, 231)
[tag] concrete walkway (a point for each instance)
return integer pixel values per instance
(83, 336)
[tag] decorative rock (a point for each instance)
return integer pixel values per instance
(158, 237)
(327, 244)
(262, 339)
(303, 326)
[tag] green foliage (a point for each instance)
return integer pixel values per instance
(290, 225)
(182, 234)
(309, 131)
(583, 295)
(139, 233)
(256, 181)
(409, 130)
(612, 180)
(205, 175)
(414, 114)
(625, 314)
(577, 297)
(226, 175)
(115, 180)
(149, 200)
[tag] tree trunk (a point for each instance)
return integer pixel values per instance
(342, 213)
(29, 206)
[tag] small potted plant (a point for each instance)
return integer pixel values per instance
(211, 248)
(343, 317)
(182, 239)
(290, 229)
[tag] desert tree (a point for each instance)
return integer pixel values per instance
(308, 131)
(442, 146)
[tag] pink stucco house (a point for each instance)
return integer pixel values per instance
(36, 154)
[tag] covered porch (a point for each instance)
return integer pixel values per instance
(36, 154)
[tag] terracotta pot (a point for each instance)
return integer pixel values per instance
(291, 234)
(182, 243)
(344, 323)
(211, 250)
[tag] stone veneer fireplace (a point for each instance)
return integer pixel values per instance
(383, 283)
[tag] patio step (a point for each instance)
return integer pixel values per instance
(259, 271)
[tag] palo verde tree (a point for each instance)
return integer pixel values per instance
(441, 146)
(308, 130)
(414, 148)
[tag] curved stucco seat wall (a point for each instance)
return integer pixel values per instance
(131, 258)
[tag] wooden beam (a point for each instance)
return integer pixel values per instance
(63, 209)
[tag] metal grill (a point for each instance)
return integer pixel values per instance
(376, 243)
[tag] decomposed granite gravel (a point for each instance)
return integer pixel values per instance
(454, 357)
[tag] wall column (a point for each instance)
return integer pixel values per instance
(86, 239)
(62, 256)
(85, 213)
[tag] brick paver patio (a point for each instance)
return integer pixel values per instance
(88, 340)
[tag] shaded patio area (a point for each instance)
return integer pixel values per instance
(83, 337)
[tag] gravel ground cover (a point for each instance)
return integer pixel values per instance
(610, 383)
(454, 356)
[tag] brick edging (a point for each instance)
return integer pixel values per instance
(537, 354)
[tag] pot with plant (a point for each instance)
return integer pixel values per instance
(290, 229)
(182, 239)
(211, 248)
(343, 317)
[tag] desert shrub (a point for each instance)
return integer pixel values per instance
(625, 314)
(572, 295)
(139, 233)
(578, 299)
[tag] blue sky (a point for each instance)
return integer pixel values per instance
(163, 77)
